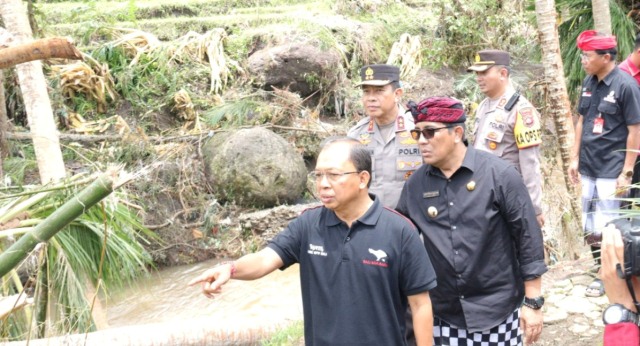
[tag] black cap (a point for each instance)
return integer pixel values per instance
(489, 57)
(379, 74)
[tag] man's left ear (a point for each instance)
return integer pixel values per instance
(364, 179)
(398, 93)
(459, 131)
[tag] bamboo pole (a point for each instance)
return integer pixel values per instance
(59, 219)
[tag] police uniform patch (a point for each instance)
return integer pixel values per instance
(527, 131)
(407, 175)
(368, 74)
(502, 102)
(365, 138)
(527, 116)
(493, 145)
(408, 141)
(400, 123)
(370, 127)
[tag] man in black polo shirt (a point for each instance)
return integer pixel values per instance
(608, 124)
(480, 231)
(360, 263)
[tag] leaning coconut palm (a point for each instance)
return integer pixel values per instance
(75, 244)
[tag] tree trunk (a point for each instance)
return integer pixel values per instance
(38, 50)
(601, 16)
(4, 125)
(558, 107)
(34, 91)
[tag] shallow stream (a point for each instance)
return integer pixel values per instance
(164, 296)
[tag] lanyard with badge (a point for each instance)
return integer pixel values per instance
(598, 124)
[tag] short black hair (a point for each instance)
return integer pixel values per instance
(359, 154)
(464, 129)
(611, 51)
(508, 68)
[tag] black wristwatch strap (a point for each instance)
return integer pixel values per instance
(533, 303)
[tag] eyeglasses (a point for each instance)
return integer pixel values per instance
(427, 132)
(332, 177)
(584, 56)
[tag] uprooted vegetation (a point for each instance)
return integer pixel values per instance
(160, 77)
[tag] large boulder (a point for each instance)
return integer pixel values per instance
(254, 168)
(301, 68)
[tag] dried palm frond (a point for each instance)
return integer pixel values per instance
(94, 81)
(407, 53)
(136, 42)
(185, 109)
(76, 122)
(183, 105)
(208, 47)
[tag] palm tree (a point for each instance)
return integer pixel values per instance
(601, 16)
(36, 99)
(558, 106)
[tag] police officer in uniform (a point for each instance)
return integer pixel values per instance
(385, 132)
(507, 125)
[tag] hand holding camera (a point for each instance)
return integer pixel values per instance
(620, 261)
(619, 273)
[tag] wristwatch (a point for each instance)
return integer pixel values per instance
(617, 313)
(627, 174)
(534, 303)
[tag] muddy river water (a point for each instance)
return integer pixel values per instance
(164, 297)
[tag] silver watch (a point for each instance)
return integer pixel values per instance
(617, 313)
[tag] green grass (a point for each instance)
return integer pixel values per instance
(290, 335)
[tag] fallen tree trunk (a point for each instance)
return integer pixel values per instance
(24, 136)
(42, 49)
(184, 333)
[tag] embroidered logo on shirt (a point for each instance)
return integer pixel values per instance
(611, 97)
(317, 250)
(381, 258)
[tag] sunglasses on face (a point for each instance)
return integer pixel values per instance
(427, 132)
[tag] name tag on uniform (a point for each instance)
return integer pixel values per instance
(598, 125)
(431, 194)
